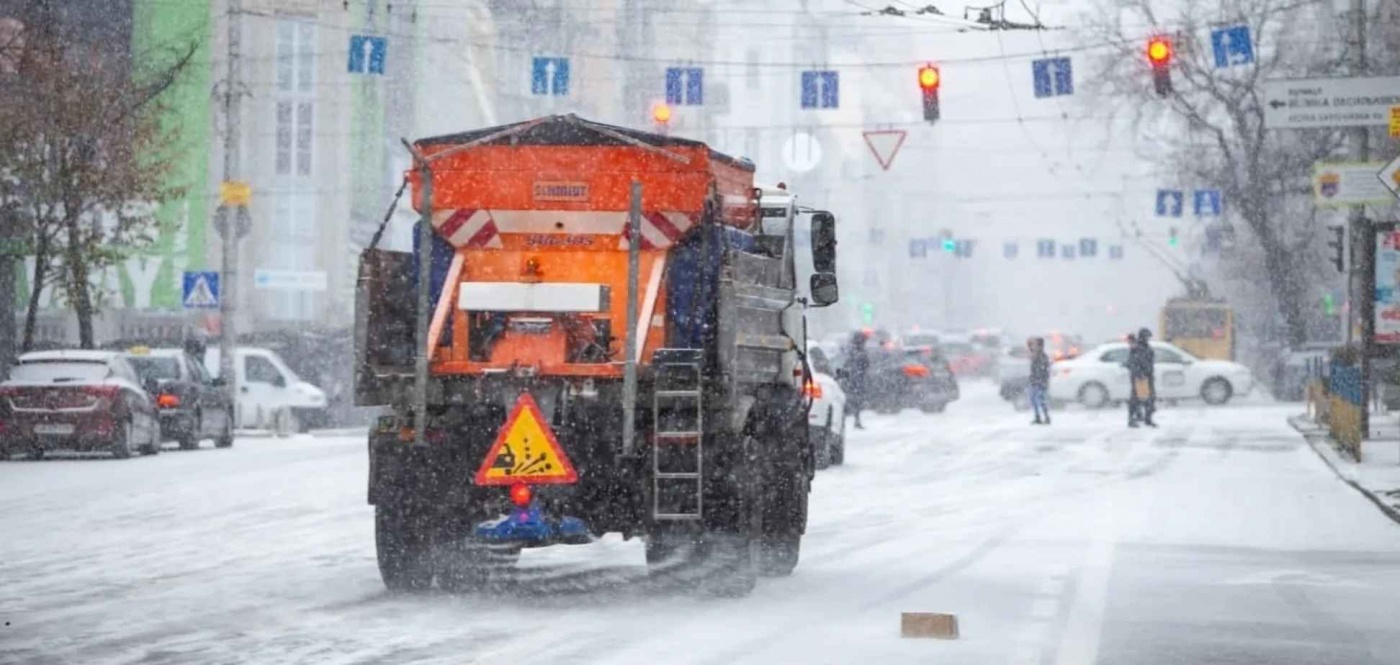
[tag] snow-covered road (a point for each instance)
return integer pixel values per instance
(1220, 537)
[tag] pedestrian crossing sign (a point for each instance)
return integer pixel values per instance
(201, 290)
(526, 451)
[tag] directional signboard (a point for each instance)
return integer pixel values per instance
(1348, 183)
(1336, 102)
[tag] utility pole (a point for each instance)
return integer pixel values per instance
(231, 231)
(1363, 237)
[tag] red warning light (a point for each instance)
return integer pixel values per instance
(520, 494)
(661, 113)
(929, 77)
(1159, 51)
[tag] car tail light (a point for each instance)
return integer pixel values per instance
(168, 401)
(520, 494)
(812, 389)
(915, 371)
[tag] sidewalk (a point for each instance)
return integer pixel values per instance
(1378, 475)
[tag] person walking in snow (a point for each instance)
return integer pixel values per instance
(1039, 380)
(857, 370)
(1143, 391)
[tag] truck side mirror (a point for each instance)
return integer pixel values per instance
(824, 245)
(824, 290)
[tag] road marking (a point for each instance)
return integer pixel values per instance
(1080, 643)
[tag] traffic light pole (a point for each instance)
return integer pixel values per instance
(1363, 266)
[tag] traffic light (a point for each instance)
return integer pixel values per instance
(1172, 238)
(1338, 245)
(1329, 305)
(1159, 55)
(661, 114)
(929, 80)
(950, 244)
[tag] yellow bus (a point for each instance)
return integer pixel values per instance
(1205, 328)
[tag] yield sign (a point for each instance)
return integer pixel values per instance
(884, 144)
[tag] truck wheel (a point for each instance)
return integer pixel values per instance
(404, 548)
(783, 523)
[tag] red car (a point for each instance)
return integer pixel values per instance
(76, 400)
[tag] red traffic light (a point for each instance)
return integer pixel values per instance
(1159, 51)
(929, 77)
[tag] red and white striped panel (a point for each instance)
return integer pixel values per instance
(661, 229)
(468, 228)
(483, 228)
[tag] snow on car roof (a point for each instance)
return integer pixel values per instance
(75, 355)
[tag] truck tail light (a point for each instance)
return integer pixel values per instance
(812, 389)
(168, 401)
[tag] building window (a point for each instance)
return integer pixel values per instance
(295, 97)
(292, 248)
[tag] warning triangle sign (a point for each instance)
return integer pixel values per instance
(884, 144)
(526, 451)
(200, 295)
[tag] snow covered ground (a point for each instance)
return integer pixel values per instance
(1218, 538)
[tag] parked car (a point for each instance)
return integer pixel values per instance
(76, 400)
(967, 359)
(826, 419)
(270, 395)
(192, 404)
(918, 377)
(1100, 377)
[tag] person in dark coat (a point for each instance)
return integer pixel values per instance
(1039, 380)
(1140, 369)
(857, 379)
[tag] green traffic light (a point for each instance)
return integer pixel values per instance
(950, 245)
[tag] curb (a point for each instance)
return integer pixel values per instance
(1313, 434)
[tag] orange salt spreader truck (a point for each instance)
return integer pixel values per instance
(608, 337)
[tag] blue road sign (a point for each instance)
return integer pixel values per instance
(367, 54)
(549, 76)
(1169, 202)
(1067, 252)
(1010, 250)
(877, 236)
(201, 290)
(1088, 248)
(1052, 77)
(1207, 202)
(963, 248)
(685, 86)
(918, 249)
(1232, 45)
(1115, 252)
(1045, 248)
(821, 89)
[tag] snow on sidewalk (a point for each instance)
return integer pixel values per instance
(1378, 473)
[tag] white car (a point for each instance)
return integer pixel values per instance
(826, 420)
(270, 395)
(1100, 377)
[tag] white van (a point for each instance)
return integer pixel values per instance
(270, 395)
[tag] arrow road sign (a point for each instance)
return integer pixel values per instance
(685, 86)
(1337, 102)
(201, 290)
(367, 54)
(1232, 45)
(1390, 176)
(1169, 202)
(549, 76)
(1207, 202)
(884, 144)
(821, 89)
(1052, 77)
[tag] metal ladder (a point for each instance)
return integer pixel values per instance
(678, 426)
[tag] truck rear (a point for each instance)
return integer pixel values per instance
(614, 345)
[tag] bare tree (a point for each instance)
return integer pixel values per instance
(1210, 128)
(83, 156)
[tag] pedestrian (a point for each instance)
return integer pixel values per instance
(857, 375)
(1040, 379)
(1142, 400)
